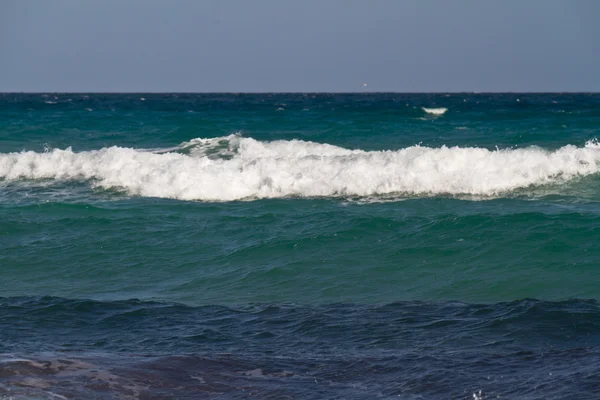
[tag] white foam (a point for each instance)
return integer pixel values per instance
(435, 111)
(231, 168)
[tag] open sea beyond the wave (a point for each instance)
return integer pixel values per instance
(306, 246)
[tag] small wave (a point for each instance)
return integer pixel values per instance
(435, 111)
(234, 168)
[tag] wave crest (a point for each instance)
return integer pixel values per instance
(234, 168)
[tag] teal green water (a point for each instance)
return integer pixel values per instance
(306, 251)
(300, 245)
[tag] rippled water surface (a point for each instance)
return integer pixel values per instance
(299, 246)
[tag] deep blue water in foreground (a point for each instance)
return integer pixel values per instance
(307, 246)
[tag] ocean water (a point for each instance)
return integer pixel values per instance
(306, 246)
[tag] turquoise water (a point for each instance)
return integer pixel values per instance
(385, 245)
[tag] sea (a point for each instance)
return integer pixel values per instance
(300, 246)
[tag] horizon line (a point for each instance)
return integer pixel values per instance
(301, 92)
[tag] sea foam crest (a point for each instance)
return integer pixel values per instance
(232, 168)
(435, 111)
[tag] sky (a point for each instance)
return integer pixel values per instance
(299, 46)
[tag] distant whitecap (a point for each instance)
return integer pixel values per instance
(435, 111)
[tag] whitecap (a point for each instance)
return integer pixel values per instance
(234, 168)
(435, 111)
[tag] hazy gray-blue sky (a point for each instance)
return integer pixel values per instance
(308, 45)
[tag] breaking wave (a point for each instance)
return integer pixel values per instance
(234, 168)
